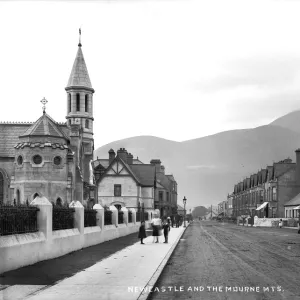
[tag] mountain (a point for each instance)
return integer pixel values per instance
(207, 168)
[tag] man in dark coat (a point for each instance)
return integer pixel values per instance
(142, 232)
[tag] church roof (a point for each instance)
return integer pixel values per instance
(79, 75)
(45, 126)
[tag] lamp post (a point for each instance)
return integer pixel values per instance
(184, 203)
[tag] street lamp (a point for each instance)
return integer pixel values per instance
(184, 203)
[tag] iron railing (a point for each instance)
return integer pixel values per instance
(18, 219)
(120, 217)
(62, 217)
(129, 216)
(107, 217)
(90, 217)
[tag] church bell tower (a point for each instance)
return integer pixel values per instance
(80, 115)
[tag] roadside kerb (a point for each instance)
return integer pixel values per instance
(146, 291)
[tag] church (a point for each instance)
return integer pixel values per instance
(50, 158)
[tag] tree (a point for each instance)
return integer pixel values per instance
(199, 211)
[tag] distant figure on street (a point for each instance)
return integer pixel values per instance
(166, 228)
(280, 223)
(169, 222)
(156, 226)
(142, 232)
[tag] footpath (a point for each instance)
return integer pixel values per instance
(117, 269)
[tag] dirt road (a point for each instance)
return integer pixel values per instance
(224, 261)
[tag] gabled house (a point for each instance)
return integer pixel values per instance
(121, 181)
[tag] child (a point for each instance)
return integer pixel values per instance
(166, 228)
(142, 232)
(280, 223)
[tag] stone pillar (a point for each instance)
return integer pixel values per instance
(78, 215)
(100, 215)
(125, 216)
(44, 216)
(133, 215)
(114, 215)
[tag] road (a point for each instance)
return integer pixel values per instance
(224, 261)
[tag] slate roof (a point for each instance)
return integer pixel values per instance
(144, 173)
(45, 126)
(294, 201)
(79, 75)
(9, 137)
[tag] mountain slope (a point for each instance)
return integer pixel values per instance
(290, 121)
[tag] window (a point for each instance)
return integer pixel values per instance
(160, 196)
(167, 196)
(86, 123)
(57, 160)
(20, 160)
(117, 190)
(274, 194)
(37, 159)
(18, 197)
(69, 102)
(77, 102)
(86, 102)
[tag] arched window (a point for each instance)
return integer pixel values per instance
(86, 102)
(118, 206)
(86, 123)
(58, 202)
(69, 102)
(35, 195)
(1, 188)
(77, 102)
(18, 197)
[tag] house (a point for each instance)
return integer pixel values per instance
(48, 158)
(292, 208)
(125, 182)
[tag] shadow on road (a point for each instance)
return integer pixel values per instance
(50, 271)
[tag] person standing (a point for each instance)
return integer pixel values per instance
(280, 223)
(166, 228)
(156, 227)
(142, 232)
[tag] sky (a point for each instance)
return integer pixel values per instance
(178, 69)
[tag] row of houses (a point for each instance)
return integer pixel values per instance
(272, 192)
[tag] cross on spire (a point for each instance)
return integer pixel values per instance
(44, 101)
(79, 45)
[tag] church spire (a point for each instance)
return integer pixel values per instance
(79, 76)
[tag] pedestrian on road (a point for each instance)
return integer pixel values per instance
(280, 223)
(166, 227)
(142, 232)
(156, 226)
(169, 222)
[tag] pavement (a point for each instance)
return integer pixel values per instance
(118, 269)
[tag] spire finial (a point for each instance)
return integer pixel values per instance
(44, 101)
(79, 45)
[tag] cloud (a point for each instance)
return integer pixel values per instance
(258, 72)
(198, 167)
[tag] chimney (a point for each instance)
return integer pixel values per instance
(298, 167)
(112, 155)
(157, 164)
(122, 153)
(162, 169)
(130, 159)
